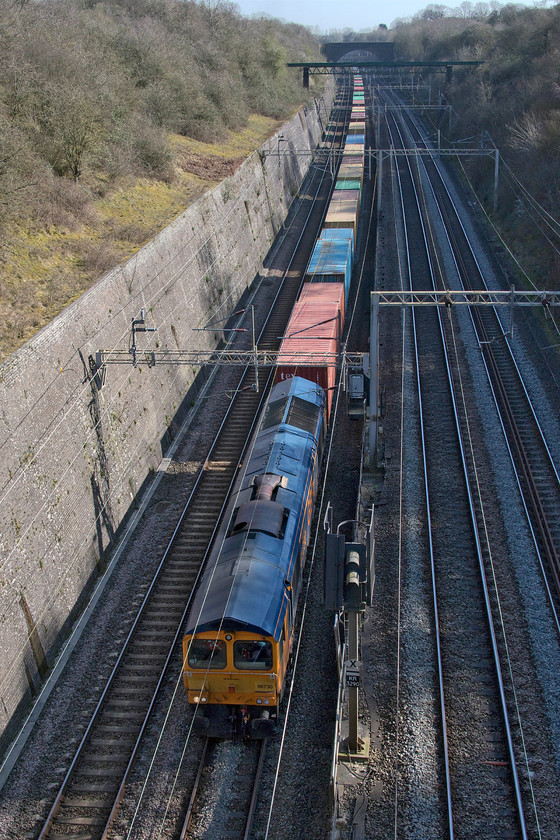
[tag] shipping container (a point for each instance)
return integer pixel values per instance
(339, 233)
(351, 171)
(331, 262)
(353, 148)
(356, 158)
(358, 127)
(351, 164)
(311, 342)
(348, 184)
(345, 195)
(352, 139)
(342, 214)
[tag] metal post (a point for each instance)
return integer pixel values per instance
(256, 358)
(353, 691)
(373, 377)
(496, 172)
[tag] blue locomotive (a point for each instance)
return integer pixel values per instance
(240, 626)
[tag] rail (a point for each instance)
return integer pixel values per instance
(457, 417)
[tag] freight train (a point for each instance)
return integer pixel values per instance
(240, 627)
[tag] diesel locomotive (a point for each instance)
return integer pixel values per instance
(240, 626)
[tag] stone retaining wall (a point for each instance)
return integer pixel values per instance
(73, 456)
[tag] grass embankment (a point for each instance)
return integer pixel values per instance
(46, 264)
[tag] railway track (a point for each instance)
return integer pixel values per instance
(232, 771)
(537, 474)
(482, 791)
(94, 786)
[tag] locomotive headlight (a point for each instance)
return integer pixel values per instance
(229, 637)
(199, 699)
(259, 701)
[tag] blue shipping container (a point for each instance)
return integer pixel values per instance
(331, 262)
(339, 233)
(356, 138)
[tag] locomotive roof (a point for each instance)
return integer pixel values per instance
(243, 585)
(247, 589)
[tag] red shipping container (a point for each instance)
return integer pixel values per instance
(308, 290)
(312, 339)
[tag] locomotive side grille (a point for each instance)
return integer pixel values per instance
(274, 413)
(303, 415)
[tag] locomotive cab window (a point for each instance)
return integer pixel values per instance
(252, 655)
(207, 653)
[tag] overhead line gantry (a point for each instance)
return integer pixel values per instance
(325, 68)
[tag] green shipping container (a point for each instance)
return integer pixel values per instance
(345, 184)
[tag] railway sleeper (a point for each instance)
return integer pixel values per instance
(85, 802)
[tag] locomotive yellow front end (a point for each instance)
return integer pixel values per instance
(231, 669)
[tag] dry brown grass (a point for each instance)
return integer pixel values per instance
(54, 253)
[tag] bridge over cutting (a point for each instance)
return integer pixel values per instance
(376, 50)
